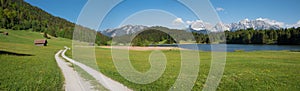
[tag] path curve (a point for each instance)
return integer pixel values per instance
(73, 82)
(107, 82)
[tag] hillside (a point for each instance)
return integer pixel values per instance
(152, 36)
(26, 67)
(19, 15)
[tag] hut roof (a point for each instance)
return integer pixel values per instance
(40, 41)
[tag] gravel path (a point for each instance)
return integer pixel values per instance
(73, 82)
(102, 79)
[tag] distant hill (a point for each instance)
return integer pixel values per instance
(152, 36)
(20, 15)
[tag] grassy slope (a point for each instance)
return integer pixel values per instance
(261, 70)
(36, 72)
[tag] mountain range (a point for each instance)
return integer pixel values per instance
(124, 30)
(202, 27)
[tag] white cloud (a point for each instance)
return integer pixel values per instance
(220, 9)
(178, 21)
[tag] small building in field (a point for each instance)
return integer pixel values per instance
(5, 33)
(40, 42)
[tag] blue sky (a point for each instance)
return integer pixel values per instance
(163, 12)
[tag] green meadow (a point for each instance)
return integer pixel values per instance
(258, 70)
(24, 66)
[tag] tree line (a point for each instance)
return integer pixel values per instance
(161, 35)
(152, 36)
(287, 36)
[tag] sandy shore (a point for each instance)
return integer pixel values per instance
(141, 48)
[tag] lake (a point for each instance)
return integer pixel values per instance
(233, 47)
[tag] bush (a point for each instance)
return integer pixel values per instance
(46, 35)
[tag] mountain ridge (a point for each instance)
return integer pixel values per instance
(200, 26)
(124, 30)
(257, 24)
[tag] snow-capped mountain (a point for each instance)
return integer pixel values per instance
(295, 25)
(204, 27)
(258, 24)
(124, 30)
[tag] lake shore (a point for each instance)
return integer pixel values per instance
(212, 47)
(138, 48)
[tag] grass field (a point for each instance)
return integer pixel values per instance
(259, 70)
(24, 66)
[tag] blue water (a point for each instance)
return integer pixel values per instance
(233, 47)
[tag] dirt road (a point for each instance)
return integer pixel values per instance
(102, 79)
(73, 82)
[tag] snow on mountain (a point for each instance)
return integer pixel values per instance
(298, 24)
(221, 27)
(258, 24)
(204, 27)
(295, 25)
(199, 25)
(124, 30)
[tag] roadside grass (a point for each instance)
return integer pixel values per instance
(38, 70)
(258, 70)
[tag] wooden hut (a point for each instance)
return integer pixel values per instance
(5, 33)
(40, 42)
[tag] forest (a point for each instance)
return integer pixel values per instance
(287, 36)
(19, 15)
(151, 36)
(145, 38)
